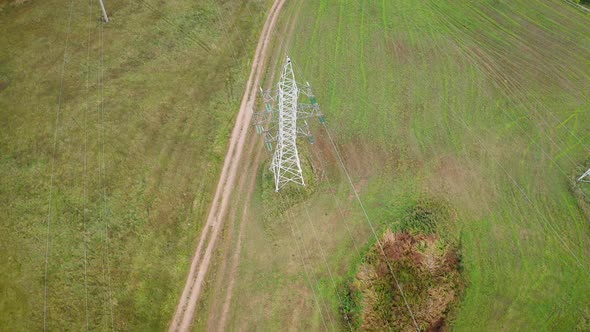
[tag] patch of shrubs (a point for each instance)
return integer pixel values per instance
(414, 260)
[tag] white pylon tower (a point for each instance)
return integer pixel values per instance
(584, 176)
(282, 121)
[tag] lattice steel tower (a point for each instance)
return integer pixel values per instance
(282, 121)
(584, 176)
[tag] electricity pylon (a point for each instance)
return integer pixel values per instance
(586, 174)
(104, 12)
(283, 120)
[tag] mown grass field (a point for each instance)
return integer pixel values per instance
(481, 104)
(121, 157)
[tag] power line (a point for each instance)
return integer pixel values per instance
(55, 136)
(323, 254)
(572, 133)
(104, 12)
(331, 189)
(165, 18)
(102, 171)
(578, 6)
(85, 198)
(525, 195)
(289, 68)
(520, 188)
(356, 194)
(399, 287)
(507, 84)
(285, 205)
(227, 35)
(371, 226)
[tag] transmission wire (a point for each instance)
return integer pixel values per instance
(299, 72)
(523, 192)
(285, 207)
(322, 252)
(102, 175)
(371, 226)
(398, 285)
(332, 190)
(286, 203)
(55, 136)
(85, 198)
(519, 187)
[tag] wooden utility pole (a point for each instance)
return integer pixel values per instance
(104, 12)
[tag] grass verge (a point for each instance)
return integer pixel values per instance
(147, 104)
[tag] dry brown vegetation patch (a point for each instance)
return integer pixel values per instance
(427, 270)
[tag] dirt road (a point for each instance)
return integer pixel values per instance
(185, 311)
(217, 322)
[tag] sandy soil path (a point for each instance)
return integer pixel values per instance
(219, 323)
(185, 311)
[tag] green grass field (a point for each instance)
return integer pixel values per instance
(482, 104)
(132, 148)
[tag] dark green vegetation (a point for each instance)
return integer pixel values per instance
(481, 103)
(123, 163)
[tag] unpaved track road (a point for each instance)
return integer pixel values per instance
(185, 311)
(218, 320)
